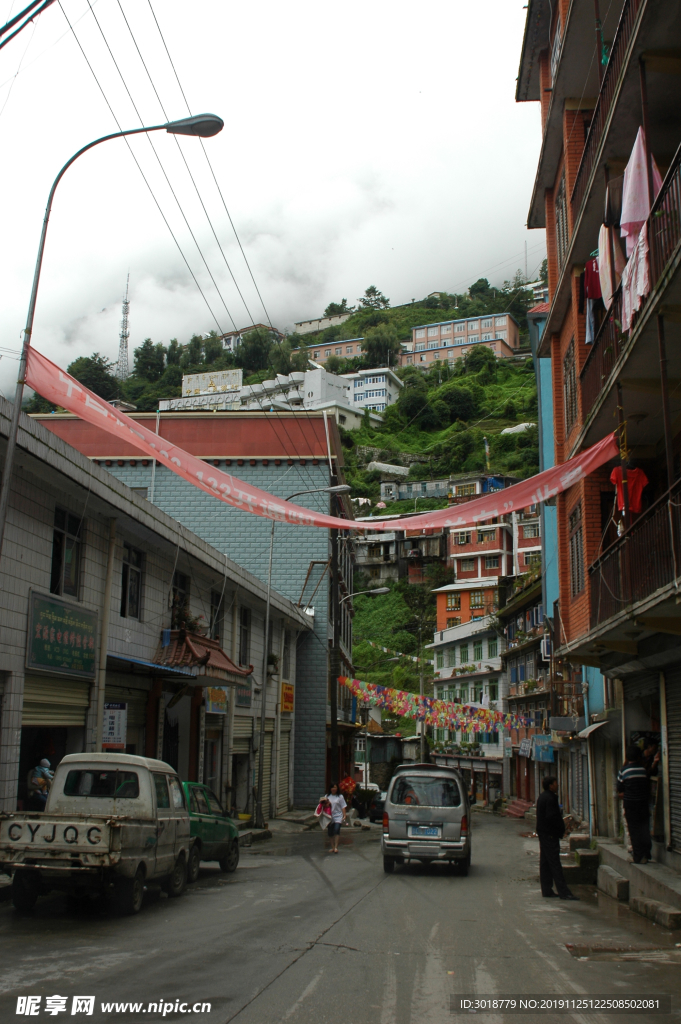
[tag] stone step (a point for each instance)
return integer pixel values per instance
(579, 841)
(665, 916)
(612, 883)
(651, 881)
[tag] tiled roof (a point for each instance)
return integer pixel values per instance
(200, 653)
(543, 307)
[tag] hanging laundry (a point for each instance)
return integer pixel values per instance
(635, 279)
(592, 280)
(606, 240)
(613, 202)
(636, 481)
(635, 194)
(590, 335)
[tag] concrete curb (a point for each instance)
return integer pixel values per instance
(612, 883)
(666, 917)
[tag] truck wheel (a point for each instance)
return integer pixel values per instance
(388, 865)
(231, 859)
(177, 882)
(24, 891)
(194, 863)
(463, 866)
(130, 894)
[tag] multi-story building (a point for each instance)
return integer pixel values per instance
(373, 389)
(452, 339)
(319, 352)
(610, 118)
(466, 601)
(232, 340)
(457, 488)
(284, 454)
(89, 566)
(320, 323)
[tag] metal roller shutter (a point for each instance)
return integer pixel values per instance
(642, 684)
(673, 687)
(243, 730)
(284, 753)
(135, 699)
(266, 787)
(49, 701)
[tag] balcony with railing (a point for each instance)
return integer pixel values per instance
(609, 85)
(664, 236)
(644, 560)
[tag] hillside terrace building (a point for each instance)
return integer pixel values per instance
(282, 454)
(457, 488)
(184, 635)
(614, 358)
(320, 323)
(232, 339)
(453, 339)
(374, 389)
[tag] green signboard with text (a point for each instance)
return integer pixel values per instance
(62, 637)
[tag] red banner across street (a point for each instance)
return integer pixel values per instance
(59, 387)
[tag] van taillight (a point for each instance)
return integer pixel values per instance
(464, 826)
(386, 822)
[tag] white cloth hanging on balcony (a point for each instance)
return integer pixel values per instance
(635, 278)
(608, 242)
(635, 193)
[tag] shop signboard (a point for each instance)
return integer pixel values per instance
(62, 637)
(288, 693)
(115, 727)
(542, 749)
(525, 747)
(243, 694)
(508, 746)
(216, 700)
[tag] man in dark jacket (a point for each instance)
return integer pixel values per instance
(551, 829)
(633, 788)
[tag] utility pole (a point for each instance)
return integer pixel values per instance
(421, 692)
(123, 366)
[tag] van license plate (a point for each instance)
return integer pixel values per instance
(424, 830)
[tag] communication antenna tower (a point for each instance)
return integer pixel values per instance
(122, 367)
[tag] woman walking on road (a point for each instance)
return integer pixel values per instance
(338, 805)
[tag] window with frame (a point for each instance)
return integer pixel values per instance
(477, 650)
(464, 695)
(500, 321)
(450, 657)
(570, 387)
(473, 339)
(440, 659)
(348, 350)
(463, 538)
(576, 550)
(466, 565)
(244, 636)
(315, 355)
(66, 553)
(327, 353)
(433, 344)
(131, 582)
(454, 602)
(491, 561)
(493, 648)
(562, 229)
(463, 654)
(485, 536)
(477, 598)
(433, 332)
(485, 324)
(216, 612)
(179, 608)
(339, 351)
(473, 325)
(487, 337)
(501, 335)
(420, 333)
(532, 557)
(453, 620)
(420, 346)
(531, 530)
(493, 689)
(446, 329)
(459, 328)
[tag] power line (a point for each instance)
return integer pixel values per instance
(205, 153)
(160, 163)
(139, 168)
(184, 158)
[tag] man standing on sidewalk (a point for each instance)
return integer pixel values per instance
(551, 829)
(633, 788)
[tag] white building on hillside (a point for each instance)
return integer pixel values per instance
(374, 389)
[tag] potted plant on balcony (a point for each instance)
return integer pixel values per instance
(272, 664)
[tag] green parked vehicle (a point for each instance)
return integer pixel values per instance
(215, 835)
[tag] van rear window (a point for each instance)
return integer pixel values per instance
(422, 791)
(116, 785)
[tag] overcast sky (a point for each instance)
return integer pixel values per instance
(363, 144)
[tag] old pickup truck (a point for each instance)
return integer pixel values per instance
(112, 823)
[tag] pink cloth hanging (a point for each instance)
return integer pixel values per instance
(635, 278)
(635, 194)
(604, 241)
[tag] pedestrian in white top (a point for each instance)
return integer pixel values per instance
(338, 805)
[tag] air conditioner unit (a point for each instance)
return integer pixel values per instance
(546, 647)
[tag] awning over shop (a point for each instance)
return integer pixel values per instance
(591, 728)
(204, 658)
(151, 664)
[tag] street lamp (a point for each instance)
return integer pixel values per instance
(334, 489)
(201, 125)
(372, 593)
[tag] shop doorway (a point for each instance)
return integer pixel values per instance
(38, 742)
(240, 787)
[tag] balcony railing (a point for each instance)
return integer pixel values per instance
(604, 103)
(640, 562)
(664, 235)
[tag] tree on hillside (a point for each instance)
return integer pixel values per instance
(95, 372)
(192, 354)
(481, 289)
(173, 354)
(253, 352)
(544, 271)
(148, 360)
(373, 299)
(212, 348)
(381, 346)
(338, 308)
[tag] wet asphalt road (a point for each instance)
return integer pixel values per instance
(301, 936)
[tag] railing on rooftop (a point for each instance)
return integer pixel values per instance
(664, 235)
(640, 562)
(604, 102)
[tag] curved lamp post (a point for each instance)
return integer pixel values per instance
(203, 126)
(259, 811)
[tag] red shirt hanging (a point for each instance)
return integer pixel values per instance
(592, 280)
(636, 481)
